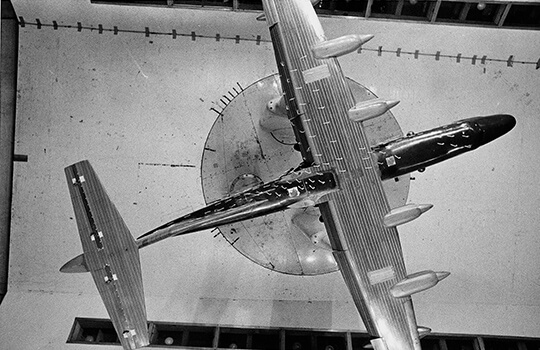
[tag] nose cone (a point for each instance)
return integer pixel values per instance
(495, 126)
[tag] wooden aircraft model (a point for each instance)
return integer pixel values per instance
(341, 174)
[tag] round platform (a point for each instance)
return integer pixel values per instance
(239, 154)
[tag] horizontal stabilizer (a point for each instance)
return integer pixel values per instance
(110, 254)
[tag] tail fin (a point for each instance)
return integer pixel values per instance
(75, 265)
(110, 254)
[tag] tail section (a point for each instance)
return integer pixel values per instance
(110, 254)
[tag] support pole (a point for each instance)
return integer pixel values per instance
(8, 93)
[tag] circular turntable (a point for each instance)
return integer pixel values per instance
(239, 153)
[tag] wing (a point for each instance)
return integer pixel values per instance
(369, 254)
(110, 254)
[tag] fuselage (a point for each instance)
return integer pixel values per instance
(417, 151)
(306, 186)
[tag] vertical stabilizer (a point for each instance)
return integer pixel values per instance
(110, 254)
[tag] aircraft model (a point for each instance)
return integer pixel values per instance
(341, 174)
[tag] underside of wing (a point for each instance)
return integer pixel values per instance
(321, 107)
(110, 254)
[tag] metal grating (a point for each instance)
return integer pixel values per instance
(202, 336)
(521, 14)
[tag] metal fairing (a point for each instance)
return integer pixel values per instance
(417, 151)
(296, 187)
(420, 150)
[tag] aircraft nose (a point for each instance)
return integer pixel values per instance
(495, 126)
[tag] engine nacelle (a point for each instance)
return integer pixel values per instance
(339, 46)
(404, 214)
(370, 109)
(417, 282)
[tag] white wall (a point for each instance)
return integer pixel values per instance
(121, 100)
